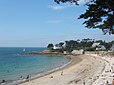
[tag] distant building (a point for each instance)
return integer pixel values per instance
(100, 47)
(57, 46)
(81, 51)
(65, 52)
(95, 44)
(112, 48)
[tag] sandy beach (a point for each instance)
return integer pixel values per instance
(89, 69)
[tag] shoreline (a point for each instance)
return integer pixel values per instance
(74, 59)
(44, 54)
(89, 71)
(70, 63)
(39, 75)
(89, 68)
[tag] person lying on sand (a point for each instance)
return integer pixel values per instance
(51, 77)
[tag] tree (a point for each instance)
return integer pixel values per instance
(99, 14)
(50, 46)
(61, 44)
(70, 45)
(87, 42)
(64, 1)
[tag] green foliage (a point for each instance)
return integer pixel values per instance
(99, 14)
(50, 46)
(64, 1)
(57, 50)
(70, 45)
(79, 44)
(85, 44)
(61, 44)
(90, 49)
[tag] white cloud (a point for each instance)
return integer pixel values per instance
(54, 21)
(82, 2)
(55, 7)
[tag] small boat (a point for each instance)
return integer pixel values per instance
(24, 50)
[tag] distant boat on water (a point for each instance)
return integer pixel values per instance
(24, 50)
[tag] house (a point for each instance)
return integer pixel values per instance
(112, 48)
(95, 44)
(100, 47)
(57, 46)
(64, 45)
(81, 51)
(65, 52)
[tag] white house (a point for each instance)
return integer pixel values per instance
(100, 47)
(112, 48)
(95, 44)
(81, 51)
(57, 46)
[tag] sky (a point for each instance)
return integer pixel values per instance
(36, 23)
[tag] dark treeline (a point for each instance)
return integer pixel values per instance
(85, 44)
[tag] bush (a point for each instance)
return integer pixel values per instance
(57, 50)
(90, 49)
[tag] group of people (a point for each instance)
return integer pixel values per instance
(27, 78)
(107, 82)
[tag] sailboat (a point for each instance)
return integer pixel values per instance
(24, 50)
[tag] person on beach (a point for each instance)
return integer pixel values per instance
(84, 82)
(102, 83)
(28, 77)
(112, 69)
(113, 82)
(21, 77)
(107, 82)
(113, 75)
(61, 73)
(3, 81)
(51, 77)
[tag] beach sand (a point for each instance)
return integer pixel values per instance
(84, 70)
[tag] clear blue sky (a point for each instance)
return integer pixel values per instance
(35, 23)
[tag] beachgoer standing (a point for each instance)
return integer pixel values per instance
(21, 77)
(62, 73)
(28, 77)
(112, 69)
(113, 82)
(84, 82)
(107, 82)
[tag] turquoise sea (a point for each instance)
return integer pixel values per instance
(13, 66)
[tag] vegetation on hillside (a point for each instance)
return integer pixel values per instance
(85, 44)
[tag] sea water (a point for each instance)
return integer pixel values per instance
(13, 66)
